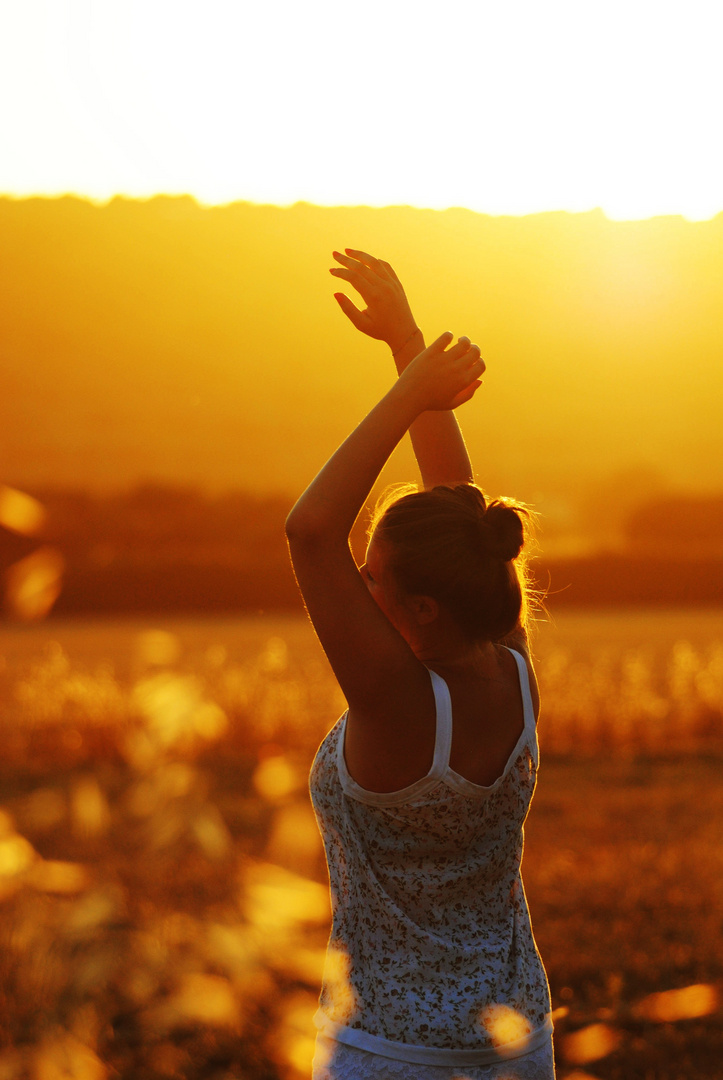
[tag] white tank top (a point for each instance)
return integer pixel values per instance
(431, 957)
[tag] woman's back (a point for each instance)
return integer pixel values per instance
(488, 715)
(430, 922)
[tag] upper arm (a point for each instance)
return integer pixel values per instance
(376, 668)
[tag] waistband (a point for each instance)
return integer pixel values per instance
(430, 1055)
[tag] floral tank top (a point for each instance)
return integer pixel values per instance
(431, 957)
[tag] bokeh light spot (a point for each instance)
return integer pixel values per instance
(33, 584)
(505, 1025)
(590, 1044)
(337, 979)
(89, 807)
(20, 512)
(158, 647)
(684, 1004)
(208, 999)
(275, 778)
(277, 898)
(16, 855)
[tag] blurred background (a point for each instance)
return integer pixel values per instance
(173, 372)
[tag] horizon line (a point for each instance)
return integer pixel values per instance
(104, 201)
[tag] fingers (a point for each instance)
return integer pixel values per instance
(357, 266)
(390, 270)
(377, 265)
(350, 310)
(362, 285)
(467, 394)
(469, 355)
(464, 349)
(441, 343)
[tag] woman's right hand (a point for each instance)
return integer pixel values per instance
(444, 375)
(387, 316)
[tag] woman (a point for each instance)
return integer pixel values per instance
(422, 787)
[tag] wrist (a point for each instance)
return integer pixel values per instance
(398, 343)
(408, 396)
(412, 347)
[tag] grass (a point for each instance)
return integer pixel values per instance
(162, 887)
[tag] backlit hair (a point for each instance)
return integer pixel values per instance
(455, 545)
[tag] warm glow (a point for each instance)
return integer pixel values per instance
(33, 584)
(687, 1003)
(590, 1044)
(19, 512)
(506, 109)
(505, 1025)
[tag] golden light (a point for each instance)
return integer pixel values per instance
(296, 1035)
(275, 778)
(61, 1055)
(503, 109)
(20, 512)
(33, 584)
(337, 977)
(176, 712)
(208, 999)
(57, 876)
(687, 1003)
(590, 1044)
(277, 899)
(16, 855)
(505, 1025)
(89, 808)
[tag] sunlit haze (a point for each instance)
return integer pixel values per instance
(504, 109)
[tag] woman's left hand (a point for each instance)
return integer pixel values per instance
(387, 316)
(444, 375)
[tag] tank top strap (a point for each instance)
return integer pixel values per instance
(527, 706)
(443, 730)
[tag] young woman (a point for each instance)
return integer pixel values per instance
(422, 787)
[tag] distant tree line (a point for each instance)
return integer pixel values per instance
(174, 548)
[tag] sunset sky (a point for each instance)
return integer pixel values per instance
(502, 108)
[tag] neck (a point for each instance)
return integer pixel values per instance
(457, 655)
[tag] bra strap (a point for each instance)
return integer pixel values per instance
(528, 708)
(443, 726)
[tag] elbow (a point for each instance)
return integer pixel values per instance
(302, 527)
(315, 528)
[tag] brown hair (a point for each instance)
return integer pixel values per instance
(453, 544)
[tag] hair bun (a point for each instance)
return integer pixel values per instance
(501, 527)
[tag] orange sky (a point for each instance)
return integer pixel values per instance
(165, 341)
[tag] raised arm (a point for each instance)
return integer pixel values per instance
(369, 656)
(436, 437)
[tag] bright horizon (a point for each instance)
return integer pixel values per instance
(502, 111)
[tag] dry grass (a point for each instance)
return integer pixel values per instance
(164, 908)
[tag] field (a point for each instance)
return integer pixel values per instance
(162, 886)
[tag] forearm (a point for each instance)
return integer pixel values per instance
(436, 436)
(332, 502)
